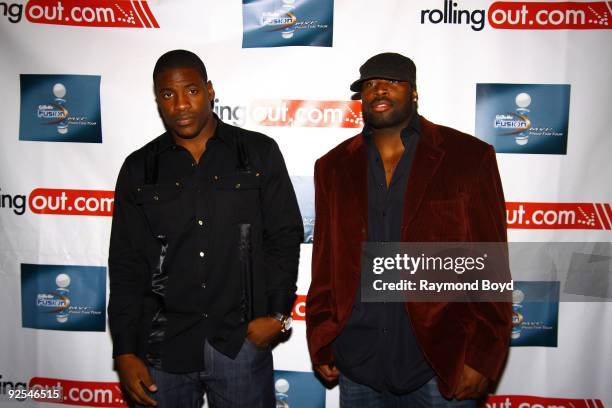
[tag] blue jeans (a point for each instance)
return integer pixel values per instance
(354, 395)
(244, 382)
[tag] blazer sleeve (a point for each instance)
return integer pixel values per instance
(319, 312)
(492, 321)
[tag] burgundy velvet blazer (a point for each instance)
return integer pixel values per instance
(454, 193)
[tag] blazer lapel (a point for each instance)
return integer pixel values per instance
(354, 181)
(427, 159)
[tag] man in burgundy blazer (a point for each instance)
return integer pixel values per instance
(453, 193)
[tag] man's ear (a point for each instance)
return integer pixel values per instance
(211, 91)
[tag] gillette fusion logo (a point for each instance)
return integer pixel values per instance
(89, 13)
(525, 15)
(512, 122)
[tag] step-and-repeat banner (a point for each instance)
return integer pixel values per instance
(531, 78)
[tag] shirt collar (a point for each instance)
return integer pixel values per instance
(221, 133)
(414, 127)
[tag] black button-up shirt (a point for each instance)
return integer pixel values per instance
(377, 347)
(199, 249)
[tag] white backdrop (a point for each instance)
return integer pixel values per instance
(451, 59)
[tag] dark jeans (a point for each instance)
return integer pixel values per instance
(354, 395)
(244, 382)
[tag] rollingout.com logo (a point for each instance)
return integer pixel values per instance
(82, 393)
(52, 201)
(91, 13)
(525, 15)
(294, 113)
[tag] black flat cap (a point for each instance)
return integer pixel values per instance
(388, 65)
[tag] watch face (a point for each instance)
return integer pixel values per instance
(288, 322)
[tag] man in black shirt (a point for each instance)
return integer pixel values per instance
(203, 255)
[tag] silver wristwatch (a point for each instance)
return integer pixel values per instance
(285, 321)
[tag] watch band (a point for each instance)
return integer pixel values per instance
(284, 320)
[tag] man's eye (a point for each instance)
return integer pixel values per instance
(166, 95)
(193, 91)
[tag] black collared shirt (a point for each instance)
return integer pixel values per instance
(377, 347)
(199, 249)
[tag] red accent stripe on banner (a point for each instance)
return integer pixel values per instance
(601, 209)
(596, 210)
(135, 9)
(150, 15)
(607, 210)
(144, 14)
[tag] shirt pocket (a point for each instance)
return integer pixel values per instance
(238, 195)
(162, 206)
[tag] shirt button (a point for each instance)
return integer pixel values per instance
(200, 222)
(384, 330)
(201, 254)
(205, 315)
(204, 285)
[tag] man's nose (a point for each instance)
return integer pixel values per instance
(381, 87)
(182, 102)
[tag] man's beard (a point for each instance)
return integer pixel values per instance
(391, 119)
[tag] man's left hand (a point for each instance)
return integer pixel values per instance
(263, 330)
(472, 384)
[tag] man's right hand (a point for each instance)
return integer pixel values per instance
(328, 372)
(133, 373)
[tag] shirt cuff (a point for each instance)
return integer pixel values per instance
(281, 303)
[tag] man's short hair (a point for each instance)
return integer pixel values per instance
(179, 59)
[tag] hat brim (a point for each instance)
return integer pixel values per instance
(356, 86)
